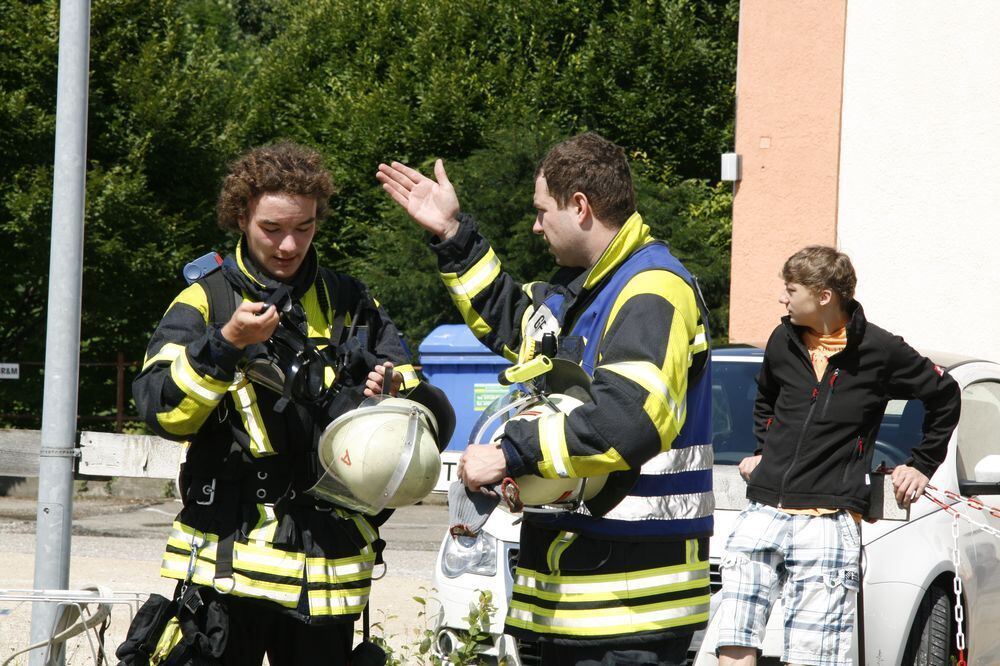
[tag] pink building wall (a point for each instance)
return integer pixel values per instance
(789, 85)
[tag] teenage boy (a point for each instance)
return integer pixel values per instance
(822, 390)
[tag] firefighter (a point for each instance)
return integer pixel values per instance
(290, 571)
(624, 578)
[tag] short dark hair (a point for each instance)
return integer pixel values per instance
(591, 164)
(279, 167)
(820, 267)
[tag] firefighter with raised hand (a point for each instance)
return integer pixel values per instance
(623, 578)
(290, 572)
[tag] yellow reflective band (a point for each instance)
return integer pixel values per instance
(467, 285)
(186, 418)
(557, 548)
(609, 622)
(555, 461)
(175, 566)
(341, 596)
(409, 375)
(599, 463)
(462, 288)
(610, 583)
(168, 352)
(473, 319)
(286, 595)
(700, 341)
(666, 413)
(321, 603)
(208, 389)
(635, 592)
(263, 559)
(633, 234)
(320, 570)
(186, 536)
(246, 402)
(267, 524)
(565, 611)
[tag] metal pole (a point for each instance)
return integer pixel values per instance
(62, 342)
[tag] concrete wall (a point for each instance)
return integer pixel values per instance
(919, 209)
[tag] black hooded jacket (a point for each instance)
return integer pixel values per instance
(817, 438)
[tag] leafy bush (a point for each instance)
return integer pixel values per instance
(178, 87)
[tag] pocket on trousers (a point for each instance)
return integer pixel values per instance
(850, 530)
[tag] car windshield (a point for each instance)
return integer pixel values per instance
(734, 388)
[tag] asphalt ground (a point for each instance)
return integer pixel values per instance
(117, 542)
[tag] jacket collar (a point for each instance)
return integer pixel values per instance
(855, 328)
(633, 235)
(243, 271)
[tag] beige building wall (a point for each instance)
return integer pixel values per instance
(919, 210)
(788, 98)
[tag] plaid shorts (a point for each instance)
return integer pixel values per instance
(813, 562)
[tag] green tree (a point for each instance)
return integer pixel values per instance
(178, 87)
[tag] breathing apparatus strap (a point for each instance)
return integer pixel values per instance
(222, 298)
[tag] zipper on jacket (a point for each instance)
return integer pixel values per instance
(860, 451)
(802, 435)
(829, 393)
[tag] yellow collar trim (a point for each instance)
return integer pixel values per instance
(633, 235)
(239, 262)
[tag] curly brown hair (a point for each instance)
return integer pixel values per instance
(279, 167)
(591, 164)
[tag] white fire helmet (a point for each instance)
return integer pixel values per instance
(536, 491)
(383, 454)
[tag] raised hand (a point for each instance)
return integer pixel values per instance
(433, 204)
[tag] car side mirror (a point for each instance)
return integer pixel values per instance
(986, 477)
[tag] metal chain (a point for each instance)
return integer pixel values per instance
(972, 502)
(946, 501)
(956, 559)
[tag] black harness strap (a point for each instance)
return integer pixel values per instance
(222, 298)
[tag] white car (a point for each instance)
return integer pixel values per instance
(908, 567)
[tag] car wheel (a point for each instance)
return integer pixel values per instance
(929, 643)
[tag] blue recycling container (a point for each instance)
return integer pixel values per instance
(456, 362)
